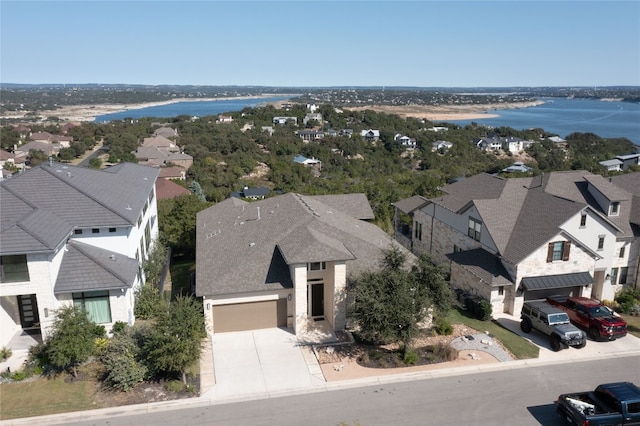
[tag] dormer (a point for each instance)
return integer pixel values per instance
(610, 198)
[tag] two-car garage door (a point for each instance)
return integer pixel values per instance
(250, 316)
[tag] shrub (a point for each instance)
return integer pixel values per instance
(627, 299)
(5, 353)
(410, 357)
(122, 369)
(175, 386)
(18, 375)
(485, 310)
(443, 327)
(118, 327)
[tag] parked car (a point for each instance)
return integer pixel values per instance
(609, 404)
(555, 323)
(600, 322)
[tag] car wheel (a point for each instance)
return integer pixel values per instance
(593, 333)
(556, 344)
(582, 345)
(525, 325)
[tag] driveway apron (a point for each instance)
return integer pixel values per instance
(261, 363)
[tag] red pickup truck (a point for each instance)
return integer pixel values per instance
(600, 322)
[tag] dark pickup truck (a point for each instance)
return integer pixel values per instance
(610, 404)
(600, 322)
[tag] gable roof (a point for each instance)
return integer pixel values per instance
(409, 205)
(247, 247)
(88, 268)
(41, 206)
(166, 188)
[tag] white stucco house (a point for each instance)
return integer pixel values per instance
(511, 240)
(72, 235)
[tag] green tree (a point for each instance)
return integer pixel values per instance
(175, 342)
(95, 163)
(177, 222)
(72, 341)
(431, 278)
(120, 359)
(390, 303)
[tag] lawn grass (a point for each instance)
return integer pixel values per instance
(519, 347)
(633, 324)
(42, 396)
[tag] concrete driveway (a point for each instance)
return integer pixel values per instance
(262, 363)
(626, 344)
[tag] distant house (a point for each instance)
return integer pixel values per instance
(224, 119)
(166, 189)
(310, 162)
(405, 141)
(311, 135)
(629, 160)
(614, 165)
(285, 120)
(346, 132)
(151, 156)
(441, 145)
(165, 131)
(45, 137)
(49, 149)
(162, 143)
(312, 116)
(370, 135)
(173, 172)
(252, 193)
(267, 129)
(518, 167)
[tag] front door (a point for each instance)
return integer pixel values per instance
(317, 300)
(28, 307)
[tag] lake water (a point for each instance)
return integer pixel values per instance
(607, 119)
(559, 116)
(198, 109)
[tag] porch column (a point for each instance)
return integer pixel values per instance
(340, 295)
(299, 275)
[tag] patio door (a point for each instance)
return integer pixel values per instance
(28, 307)
(317, 301)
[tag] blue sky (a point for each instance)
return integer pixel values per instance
(322, 43)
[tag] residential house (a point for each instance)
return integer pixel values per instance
(405, 141)
(49, 149)
(312, 116)
(629, 160)
(285, 120)
(370, 135)
(438, 129)
(510, 240)
(310, 135)
(490, 144)
(346, 132)
(284, 261)
(518, 166)
(403, 220)
(48, 138)
(173, 172)
(166, 132)
(252, 193)
(513, 144)
(156, 157)
(166, 189)
(161, 143)
(267, 129)
(73, 236)
(309, 162)
(441, 145)
(614, 165)
(224, 119)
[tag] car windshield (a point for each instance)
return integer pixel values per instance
(557, 318)
(600, 311)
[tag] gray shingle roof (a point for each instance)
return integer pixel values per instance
(409, 205)
(42, 206)
(478, 187)
(88, 268)
(484, 265)
(247, 247)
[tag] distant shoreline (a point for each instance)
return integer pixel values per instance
(88, 113)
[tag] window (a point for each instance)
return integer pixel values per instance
(139, 221)
(475, 228)
(112, 229)
(95, 304)
(95, 231)
(456, 249)
(418, 231)
(623, 275)
(316, 266)
(600, 242)
(147, 235)
(14, 268)
(77, 231)
(621, 252)
(501, 290)
(144, 209)
(558, 250)
(614, 276)
(583, 220)
(614, 209)
(151, 196)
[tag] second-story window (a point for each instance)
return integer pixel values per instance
(558, 250)
(621, 252)
(475, 229)
(600, 242)
(614, 209)
(14, 268)
(316, 266)
(583, 220)
(418, 231)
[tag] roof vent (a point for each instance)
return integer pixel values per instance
(112, 257)
(252, 244)
(128, 207)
